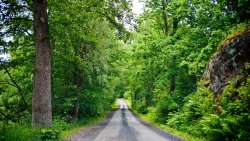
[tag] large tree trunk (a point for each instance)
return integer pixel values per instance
(41, 102)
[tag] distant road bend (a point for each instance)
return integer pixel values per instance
(122, 125)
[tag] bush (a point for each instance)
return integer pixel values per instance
(197, 105)
(164, 107)
(140, 106)
(49, 134)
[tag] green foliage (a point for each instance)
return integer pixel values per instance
(195, 107)
(85, 63)
(49, 134)
(18, 133)
(224, 118)
(59, 131)
(157, 67)
(210, 127)
(168, 54)
(165, 106)
(141, 106)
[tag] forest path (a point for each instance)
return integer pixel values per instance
(122, 125)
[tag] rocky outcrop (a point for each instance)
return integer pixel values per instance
(228, 62)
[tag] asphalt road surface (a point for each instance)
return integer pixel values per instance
(123, 125)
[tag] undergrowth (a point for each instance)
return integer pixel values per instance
(60, 130)
(217, 118)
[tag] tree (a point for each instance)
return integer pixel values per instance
(41, 102)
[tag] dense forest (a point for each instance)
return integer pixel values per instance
(69, 60)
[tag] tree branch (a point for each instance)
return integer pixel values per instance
(10, 118)
(7, 83)
(16, 85)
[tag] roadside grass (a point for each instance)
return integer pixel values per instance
(115, 105)
(17, 133)
(149, 119)
(60, 130)
(85, 123)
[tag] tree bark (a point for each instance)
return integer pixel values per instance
(41, 102)
(166, 30)
(175, 25)
(78, 82)
(173, 76)
(164, 16)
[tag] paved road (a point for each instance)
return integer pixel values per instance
(123, 125)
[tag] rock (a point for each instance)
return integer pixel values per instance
(228, 62)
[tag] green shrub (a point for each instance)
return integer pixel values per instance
(164, 107)
(49, 134)
(197, 105)
(140, 106)
(210, 127)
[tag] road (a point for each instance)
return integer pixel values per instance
(123, 125)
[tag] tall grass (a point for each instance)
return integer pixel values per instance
(18, 133)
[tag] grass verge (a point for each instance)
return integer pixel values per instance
(85, 123)
(82, 124)
(17, 133)
(60, 130)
